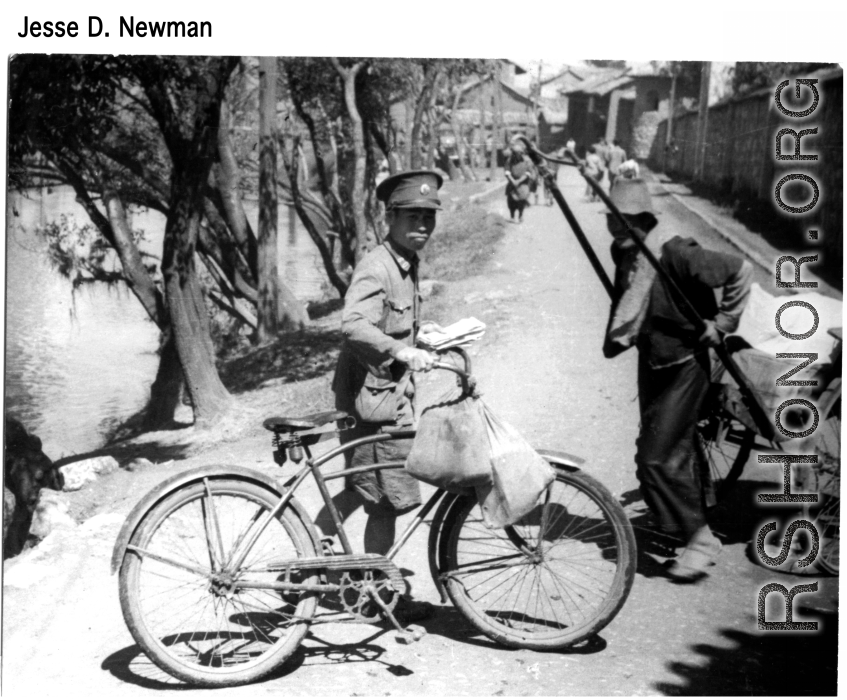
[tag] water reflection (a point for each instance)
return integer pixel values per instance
(77, 363)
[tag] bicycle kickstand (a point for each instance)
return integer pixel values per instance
(407, 635)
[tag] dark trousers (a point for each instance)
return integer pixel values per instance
(668, 465)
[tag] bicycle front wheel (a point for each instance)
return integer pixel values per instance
(550, 581)
(188, 611)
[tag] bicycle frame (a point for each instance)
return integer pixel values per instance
(313, 467)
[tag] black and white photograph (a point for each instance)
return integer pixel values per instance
(364, 373)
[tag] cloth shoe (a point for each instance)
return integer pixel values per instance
(700, 553)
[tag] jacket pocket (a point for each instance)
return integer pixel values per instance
(398, 318)
(376, 402)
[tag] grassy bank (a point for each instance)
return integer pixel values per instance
(463, 243)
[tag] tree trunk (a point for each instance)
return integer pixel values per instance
(167, 387)
(226, 178)
(192, 156)
(407, 146)
(189, 319)
(166, 390)
(364, 239)
(267, 273)
(457, 135)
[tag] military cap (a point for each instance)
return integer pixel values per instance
(415, 189)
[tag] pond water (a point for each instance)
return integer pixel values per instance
(79, 362)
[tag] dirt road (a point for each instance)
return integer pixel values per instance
(540, 367)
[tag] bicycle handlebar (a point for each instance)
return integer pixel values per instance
(468, 382)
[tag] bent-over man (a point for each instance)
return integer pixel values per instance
(673, 362)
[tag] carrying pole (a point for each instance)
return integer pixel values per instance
(765, 427)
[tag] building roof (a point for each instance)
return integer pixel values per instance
(600, 85)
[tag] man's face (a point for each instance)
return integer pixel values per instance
(410, 229)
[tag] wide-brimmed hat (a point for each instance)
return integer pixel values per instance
(414, 189)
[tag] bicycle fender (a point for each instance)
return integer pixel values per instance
(435, 538)
(168, 486)
(567, 461)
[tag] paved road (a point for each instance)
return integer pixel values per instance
(540, 368)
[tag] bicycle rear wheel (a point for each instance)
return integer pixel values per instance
(724, 443)
(552, 580)
(190, 615)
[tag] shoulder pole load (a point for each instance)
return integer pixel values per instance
(765, 427)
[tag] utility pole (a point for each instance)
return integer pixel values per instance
(537, 106)
(497, 138)
(702, 119)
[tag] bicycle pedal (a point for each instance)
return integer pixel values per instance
(410, 635)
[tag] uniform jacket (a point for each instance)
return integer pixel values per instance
(381, 316)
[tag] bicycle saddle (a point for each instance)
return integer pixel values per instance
(313, 420)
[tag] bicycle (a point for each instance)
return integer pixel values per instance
(727, 436)
(221, 570)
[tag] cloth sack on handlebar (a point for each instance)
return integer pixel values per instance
(450, 449)
(519, 474)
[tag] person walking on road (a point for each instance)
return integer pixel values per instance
(373, 378)
(520, 174)
(593, 168)
(673, 362)
(617, 156)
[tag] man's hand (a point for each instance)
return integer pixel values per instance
(417, 360)
(711, 336)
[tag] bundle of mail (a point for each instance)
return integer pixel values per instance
(460, 334)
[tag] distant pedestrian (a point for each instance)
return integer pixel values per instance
(519, 173)
(629, 170)
(571, 146)
(594, 169)
(617, 156)
(601, 148)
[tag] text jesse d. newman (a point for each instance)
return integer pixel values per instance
(128, 28)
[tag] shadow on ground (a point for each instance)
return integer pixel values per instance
(773, 663)
(293, 357)
(130, 665)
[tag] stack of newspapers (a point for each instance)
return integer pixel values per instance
(460, 334)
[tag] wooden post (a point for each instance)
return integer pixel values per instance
(498, 106)
(702, 119)
(669, 123)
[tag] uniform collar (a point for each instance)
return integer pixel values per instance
(405, 261)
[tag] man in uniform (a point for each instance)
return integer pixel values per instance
(673, 362)
(373, 379)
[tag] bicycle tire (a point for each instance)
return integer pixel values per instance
(594, 525)
(725, 444)
(221, 639)
(826, 482)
